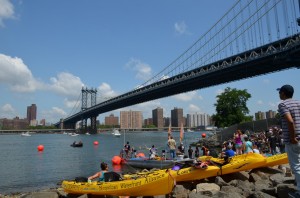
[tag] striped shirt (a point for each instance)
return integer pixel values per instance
(293, 107)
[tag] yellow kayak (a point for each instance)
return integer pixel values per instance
(155, 183)
(219, 167)
(276, 160)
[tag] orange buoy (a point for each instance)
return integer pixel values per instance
(40, 147)
(96, 142)
(140, 155)
(116, 160)
(203, 135)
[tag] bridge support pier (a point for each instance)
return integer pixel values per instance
(94, 125)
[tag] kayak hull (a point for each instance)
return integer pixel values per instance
(156, 183)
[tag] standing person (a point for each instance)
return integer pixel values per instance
(190, 152)
(127, 149)
(100, 175)
(289, 110)
(172, 147)
(197, 152)
(238, 142)
(205, 151)
(248, 145)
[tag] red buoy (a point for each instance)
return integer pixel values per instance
(203, 135)
(116, 160)
(40, 147)
(140, 155)
(96, 142)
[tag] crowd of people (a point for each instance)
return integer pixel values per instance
(267, 143)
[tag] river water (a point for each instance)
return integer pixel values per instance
(23, 168)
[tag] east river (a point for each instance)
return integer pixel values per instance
(23, 168)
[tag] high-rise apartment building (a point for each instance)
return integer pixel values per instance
(270, 114)
(196, 120)
(31, 112)
(177, 117)
(260, 115)
(158, 117)
(148, 121)
(111, 120)
(131, 119)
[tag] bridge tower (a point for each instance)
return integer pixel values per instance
(84, 105)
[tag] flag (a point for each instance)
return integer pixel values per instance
(181, 132)
(170, 130)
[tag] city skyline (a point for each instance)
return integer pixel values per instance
(46, 59)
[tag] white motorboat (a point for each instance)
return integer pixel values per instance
(26, 134)
(116, 133)
(74, 134)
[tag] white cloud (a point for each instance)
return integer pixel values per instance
(6, 11)
(186, 96)
(260, 102)
(17, 75)
(193, 108)
(143, 70)
(7, 111)
(54, 114)
(219, 91)
(273, 105)
(106, 92)
(66, 84)
(180, 27)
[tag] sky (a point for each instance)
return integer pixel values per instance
(50, 49)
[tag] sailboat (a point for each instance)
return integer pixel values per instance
(116, 133)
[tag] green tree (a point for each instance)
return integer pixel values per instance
(231, 107)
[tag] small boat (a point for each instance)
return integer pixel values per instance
(74, 134)
(25, 134)
(146, 163)
(87, 133)
(116, 133)
(147, 184)
(189, 130)
(77, 144)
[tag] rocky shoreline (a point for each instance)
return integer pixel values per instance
(268, 182)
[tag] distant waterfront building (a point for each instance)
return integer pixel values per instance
(13, 124)
(148, 121)
(131, 119)
(31, 113)
(270, 114)
(260, 115)
(158, 117)
(197, 119)
(176, 117)
(111, 120)
(167, 121)
(43, 122)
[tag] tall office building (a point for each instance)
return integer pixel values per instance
(158, 117)
(131, 119)
(31, 112)
(177, 117)
(111, 120)
(196, 120)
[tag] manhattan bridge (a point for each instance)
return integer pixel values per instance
(254, 37)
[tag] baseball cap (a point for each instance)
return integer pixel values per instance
(287, 89)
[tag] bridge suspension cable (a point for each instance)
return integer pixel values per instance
(245, 26)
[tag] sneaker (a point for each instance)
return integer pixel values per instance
(294, 195)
